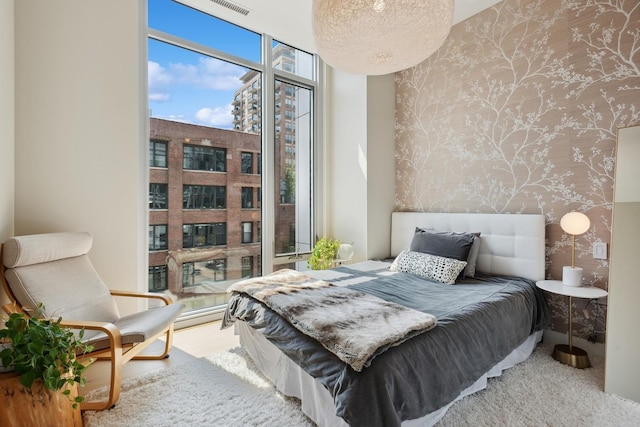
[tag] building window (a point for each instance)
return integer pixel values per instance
(199, 235)
(158, 278)
(172, 47)
(294, 170)
(247, 163)
(247, 266)
(189, 271)
(158, 237)
(157, 154)
(219, 267)
(158, 196)
(247, 197)
(247, 232)
(200, 158)
(204, 197)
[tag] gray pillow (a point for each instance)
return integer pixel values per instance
(470, 269)
(449, 244)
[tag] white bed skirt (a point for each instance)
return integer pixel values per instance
(317, 402)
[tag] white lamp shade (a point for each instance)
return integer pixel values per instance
(345, 252)
(377, 37)
(575, 223)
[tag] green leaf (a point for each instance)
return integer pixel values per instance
(42, 349)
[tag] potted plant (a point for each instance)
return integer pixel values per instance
(42, 353)
(324, 253)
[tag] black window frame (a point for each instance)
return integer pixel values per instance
(155, 235)
(246, 162)
(215, 234)
(158, 278)
(246, 237)
(155, 153)
(204, 196)
(246, 197)
(158, 192)
(203, 158)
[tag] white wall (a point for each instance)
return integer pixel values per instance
(381, 158)
(7, 130)
(346, 175)
(361, 167)
(7, 133)
(80, 123)
(622, 372)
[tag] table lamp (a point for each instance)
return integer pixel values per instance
(345, 252)
(574, 223)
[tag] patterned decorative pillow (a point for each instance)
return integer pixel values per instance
(440, 269)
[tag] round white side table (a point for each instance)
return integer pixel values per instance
(569, 354)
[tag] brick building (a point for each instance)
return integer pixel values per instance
(204, 209)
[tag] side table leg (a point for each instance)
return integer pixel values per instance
(568, 354)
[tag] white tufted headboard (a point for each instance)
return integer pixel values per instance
(510, 244)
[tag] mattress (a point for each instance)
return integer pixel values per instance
(481, 322)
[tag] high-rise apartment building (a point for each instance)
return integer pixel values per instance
(247, 102)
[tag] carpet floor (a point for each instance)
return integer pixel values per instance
(225, 389)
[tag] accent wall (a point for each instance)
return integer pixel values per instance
(518, 113)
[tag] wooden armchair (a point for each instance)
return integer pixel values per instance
(54, 269)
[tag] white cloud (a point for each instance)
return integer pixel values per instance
(208, 73)
(159, 79)
(159, 97)
(184, 86)
(158, 75)
(218, 116)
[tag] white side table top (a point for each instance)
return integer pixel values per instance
(557, 287)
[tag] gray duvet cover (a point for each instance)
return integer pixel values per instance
(480, 321)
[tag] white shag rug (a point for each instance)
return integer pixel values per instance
(225, 389)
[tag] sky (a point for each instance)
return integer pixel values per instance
(187, 86)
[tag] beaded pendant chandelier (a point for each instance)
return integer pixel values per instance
(376, 37)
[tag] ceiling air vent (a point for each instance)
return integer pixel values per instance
(232, 6)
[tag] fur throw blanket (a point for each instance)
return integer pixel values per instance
(353, 325)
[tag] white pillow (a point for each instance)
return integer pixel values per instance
(440, 269)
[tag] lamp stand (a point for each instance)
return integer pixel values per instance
(568, 354)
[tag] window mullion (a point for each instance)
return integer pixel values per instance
(268, 158)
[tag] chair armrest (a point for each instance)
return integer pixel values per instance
(108, 328)
(148, 295)
(12, 307)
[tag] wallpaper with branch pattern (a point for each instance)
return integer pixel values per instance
(517, 113)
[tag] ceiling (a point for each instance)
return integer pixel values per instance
(289, 21)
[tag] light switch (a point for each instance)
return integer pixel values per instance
(600, 250)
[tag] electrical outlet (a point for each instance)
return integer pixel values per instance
(600, 250)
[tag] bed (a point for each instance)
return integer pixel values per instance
(483, 324)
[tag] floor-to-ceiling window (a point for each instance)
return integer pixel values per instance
(231, 151)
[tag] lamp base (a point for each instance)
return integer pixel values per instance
(572, 276)
(572, 356)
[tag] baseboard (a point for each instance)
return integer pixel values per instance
(553, 338)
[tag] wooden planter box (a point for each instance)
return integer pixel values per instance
(23, 407)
